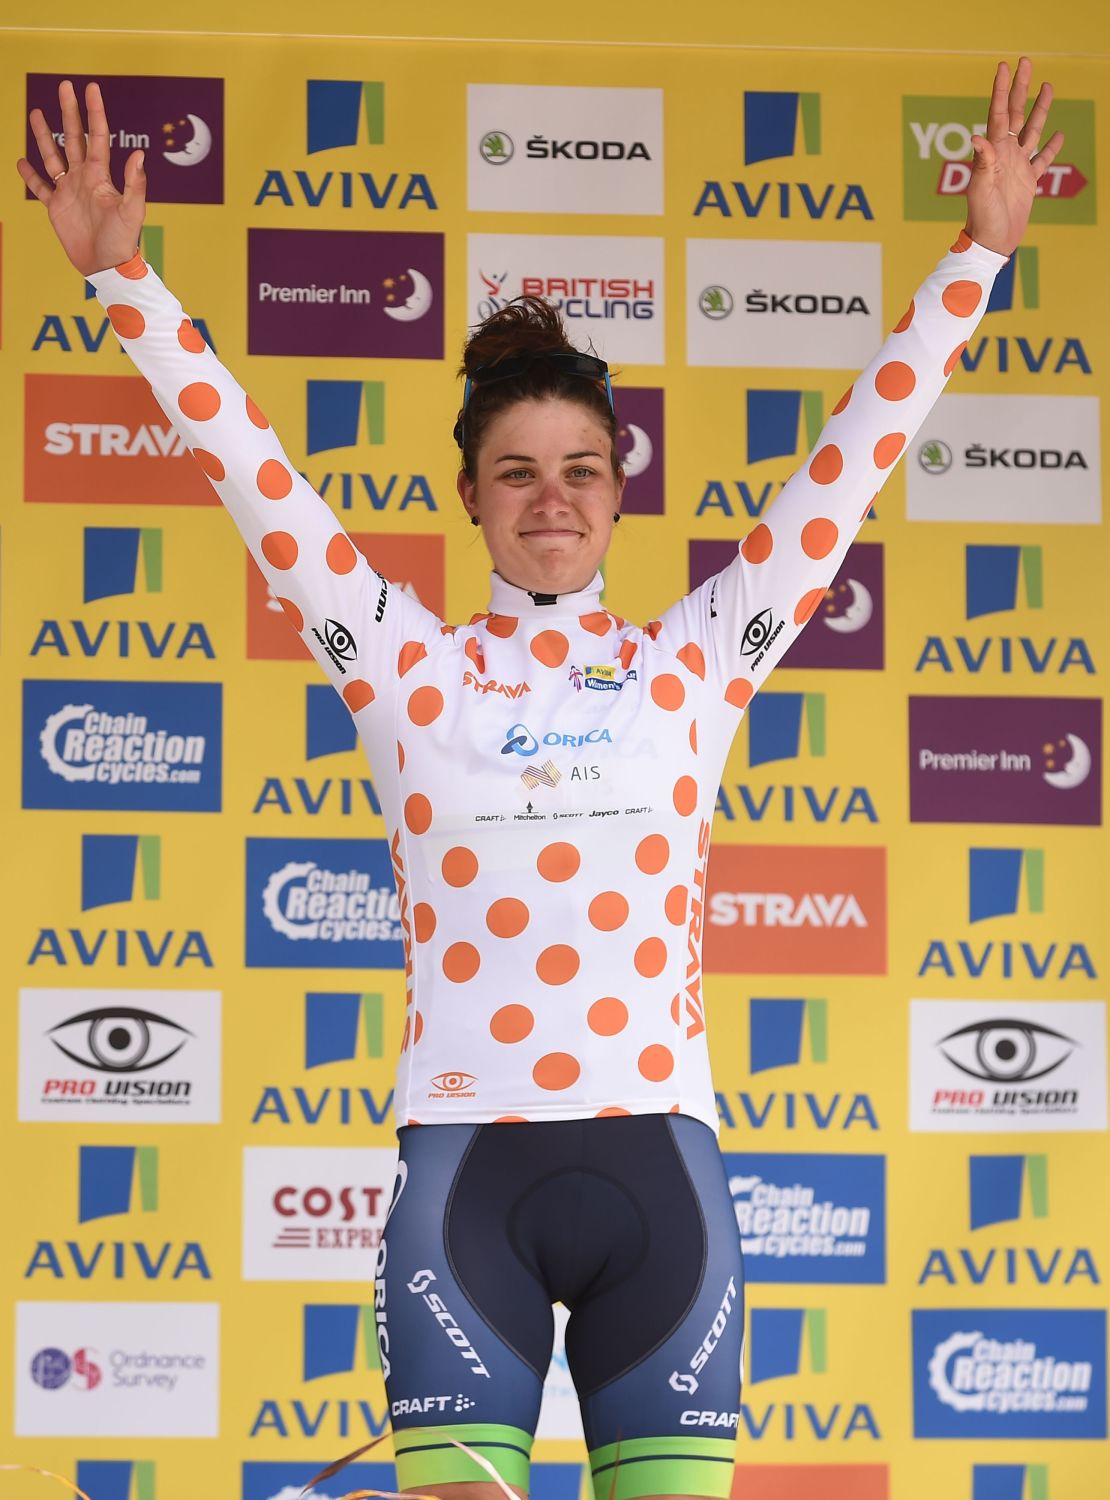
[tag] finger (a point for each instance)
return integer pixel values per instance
(134, 189)
(1031, 135)
(998, 114)
(985, 156)
(1048, 154)
(1018, 95)
(100, 141)
(52, 158)
(42, 190)
(73, 132)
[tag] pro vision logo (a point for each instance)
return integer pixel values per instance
(114, 556)
(114, 1479)
(1009, 1482)
(337, 1338)
(342, 112)
(997, 878)
(110, 864)
(337, 409)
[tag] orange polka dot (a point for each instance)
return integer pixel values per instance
(418, 1029)
(807, 604)
(459, 866)
(128, 322)
(627, 652)
(694, 735)
(819, 537)
(610, 1111)
(255, 415)
(292, 614)
(906, 319)
(418, 813)
(652, 628)
(550, 647)
(274, 480)
(739, 692)
(656, 1063)
(954, 358)
(597, 623)
(674, 1009)
(895, 381)
(608, 911)
(651, 957)
(357, 694)
(557, 964)
(425, 705)
(473, 652)
(667, 691)
(558, 862)
(508, 917)
(888, 448)
(410, 653)
(279, 549)
(652, 854)
(963, 242)
(843, 402)
(512, 1023)
(685, 795)
(191, 339)
(507, 1120)
(501, 626)
(675, 905)
(558, 1070)
(341, 555)
(758, 544)
(461, 962)
(826, 464)
(134, 269)
(209, 463)
(608, 1016)
(400, 756)
(961, 298)
(693, 659)
(199, 402)
(423, 921)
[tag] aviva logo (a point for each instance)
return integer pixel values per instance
(115, 556)
(116, 1479)
(776, 722)
(995, 879)
(1000, 1184)
(108, 1176)
(340, 110)
(993, 574)
(1009, 1482)
(784, 1340)
(780, 1030)
(329, 728)
(771, 125)
(339, 1337)
(774, 420)
(110, 863)
(332, 1024)
(335, 413)
(1021, 275)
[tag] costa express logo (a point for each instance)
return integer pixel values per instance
(790, 1341)
(937, 159)
(337, 1339)
(779, 126)
(329, 730)
(366, 294)
(338, 1027)
(116, 1181)
(104, 440)
(1006, 1190)
(122, 560)
(815, 910)
(117, 1479)
(322, 903)
(346, 113)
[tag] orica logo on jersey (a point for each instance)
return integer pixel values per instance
(519, 740)
(328, 903)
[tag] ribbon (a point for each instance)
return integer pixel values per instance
(46, 1473)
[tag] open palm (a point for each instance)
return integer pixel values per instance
(1008, 164)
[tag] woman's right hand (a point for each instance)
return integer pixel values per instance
(97, 226)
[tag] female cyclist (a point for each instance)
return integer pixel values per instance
(548, 775)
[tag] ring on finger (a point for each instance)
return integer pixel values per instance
(60, 175)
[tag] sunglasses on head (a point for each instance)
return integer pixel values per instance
(588, 366)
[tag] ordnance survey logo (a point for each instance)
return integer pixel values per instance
(322, 903)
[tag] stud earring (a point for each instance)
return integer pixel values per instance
(474, 521)
(616, 516)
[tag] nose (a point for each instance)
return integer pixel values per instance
(551, 499)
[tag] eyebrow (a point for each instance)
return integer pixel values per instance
(528, 459)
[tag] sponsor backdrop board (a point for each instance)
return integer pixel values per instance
(905, 936)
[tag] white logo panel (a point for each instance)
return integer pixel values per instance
(783, 304)
(117, 1369)
(314, 1213)
(93, 1056)
(564, 150)
(1007, 458)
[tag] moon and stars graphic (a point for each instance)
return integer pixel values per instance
(635, 449)
(408, 296)
(848, 606)
(1067, 762)
(195, 149)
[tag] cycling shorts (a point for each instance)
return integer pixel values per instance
(629, 1222)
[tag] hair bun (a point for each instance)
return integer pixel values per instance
(526, 325)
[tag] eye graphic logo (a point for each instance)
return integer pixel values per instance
(756, 633)
(782, 1337)
(520, 740)
(107, 1176)
(340, 640)
(776, 722)
(1009, 1482)
(1007, 1051)
(778, 1030)
(332, 1021)
(116, 1479)
(453, 1083)
(117, 1039)
(334, 412)
(496, 147)
(995, 880)
(112, 560)
(110, 863)
(716, 302)
(771, 125)
(334, 108)
(774, 422)
(335, 1335)
(996, 1183)
(992, 575)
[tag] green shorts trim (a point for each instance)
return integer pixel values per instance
(425, 1455)
(663, 1466)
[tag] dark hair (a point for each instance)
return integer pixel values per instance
(526, 325)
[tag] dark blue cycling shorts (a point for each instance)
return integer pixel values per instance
(626, 1220)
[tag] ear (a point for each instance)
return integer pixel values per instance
(465, 488)
(622, 479)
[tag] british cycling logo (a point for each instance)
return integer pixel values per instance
(122, 746)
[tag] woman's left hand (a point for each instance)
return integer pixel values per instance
(1008, 164)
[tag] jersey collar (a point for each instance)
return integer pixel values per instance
(506, 599)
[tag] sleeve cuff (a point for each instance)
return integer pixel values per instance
(133, 270)
(978, 255)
